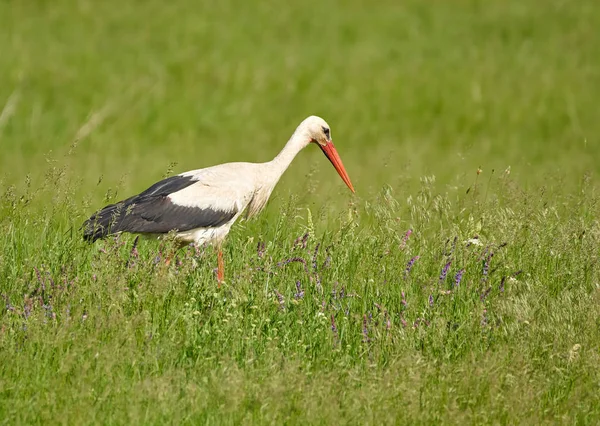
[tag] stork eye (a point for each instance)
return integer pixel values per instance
(326, 131)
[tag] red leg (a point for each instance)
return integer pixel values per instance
(221, 268)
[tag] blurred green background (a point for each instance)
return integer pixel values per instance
(409, 88)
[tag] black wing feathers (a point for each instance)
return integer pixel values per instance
(153, 212)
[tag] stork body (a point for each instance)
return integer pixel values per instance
(202, 205)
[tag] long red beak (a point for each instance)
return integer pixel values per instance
(333, 156)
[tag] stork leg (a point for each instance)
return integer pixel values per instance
(220, 267)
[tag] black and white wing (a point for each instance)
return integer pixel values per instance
(200, 199)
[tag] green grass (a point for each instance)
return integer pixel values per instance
(100, 99)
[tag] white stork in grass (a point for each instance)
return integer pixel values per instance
(202, 205)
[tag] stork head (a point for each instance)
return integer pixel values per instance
(317, 131)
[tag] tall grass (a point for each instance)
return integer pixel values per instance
(447, 306)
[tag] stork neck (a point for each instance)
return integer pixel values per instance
(283, 160)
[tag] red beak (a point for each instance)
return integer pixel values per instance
(333, 156)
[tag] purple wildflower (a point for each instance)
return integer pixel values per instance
(299, 292)
(445, 271)
(294, 259)
(9, 306)
(134, 250)
(327, 260)
(314, 261)
(260, 249)
(318, 282)
(49, 279)
(302, 240)
(486, 266)
(27, 307)
(39, 276)
(458, 277)
(281, 300)
(405, 239)
(365, 330)
(48, 308)
(409, 266)
(430, 300)
(402, 320)
(453, 245)
(333, 327)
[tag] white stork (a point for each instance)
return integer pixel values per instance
(202, 205)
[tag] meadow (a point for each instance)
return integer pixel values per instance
(459, 285)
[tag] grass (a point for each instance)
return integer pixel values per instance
(437, 294)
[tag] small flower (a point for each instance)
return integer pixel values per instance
(314, 261)
(404, 303)
(333, 327)
(260, 249)
(327, 262)
(431, 300)
(299, 292)
(403, 321)
(302, 240)
(474, 241)
(445, 271)
(405, 238)
(453, 245)
(294, 259)
(365, 330)
(409, 266)
(458, 277)
(486, 266)
(318, 285)
(281, 300)
(501, 287)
